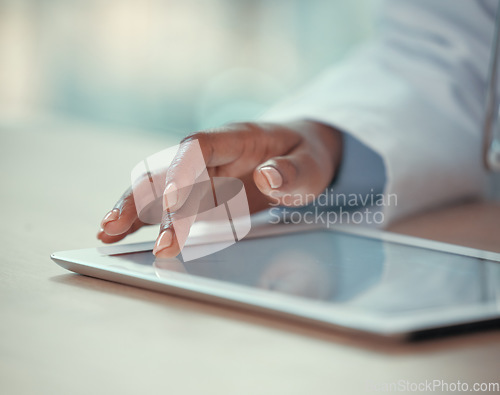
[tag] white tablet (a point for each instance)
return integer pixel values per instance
(348, 279)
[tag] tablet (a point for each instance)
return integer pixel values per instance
(347, 279)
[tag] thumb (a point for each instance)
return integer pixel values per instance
(292, 180)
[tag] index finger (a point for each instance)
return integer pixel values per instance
(232, 151)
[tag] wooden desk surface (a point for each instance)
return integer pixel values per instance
(62, 333)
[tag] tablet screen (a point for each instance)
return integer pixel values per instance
(338, 268)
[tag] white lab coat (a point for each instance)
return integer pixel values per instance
(415, 95)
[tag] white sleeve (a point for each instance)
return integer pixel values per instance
(415, 96)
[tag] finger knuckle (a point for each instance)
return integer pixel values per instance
(252, 128)
(202, 137)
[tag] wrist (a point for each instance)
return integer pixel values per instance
(326, 144)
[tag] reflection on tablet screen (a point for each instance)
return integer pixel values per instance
(342, 269)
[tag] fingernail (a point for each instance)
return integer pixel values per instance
(111, 216)
(170, 195)
(273, 176)
(164, 241)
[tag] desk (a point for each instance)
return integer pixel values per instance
(62, 333)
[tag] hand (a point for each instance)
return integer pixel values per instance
(278, 163)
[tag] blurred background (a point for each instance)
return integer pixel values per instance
(167, 65)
